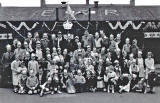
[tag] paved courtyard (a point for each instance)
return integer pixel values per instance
(7, 96)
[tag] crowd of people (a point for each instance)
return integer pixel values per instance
(53, 63)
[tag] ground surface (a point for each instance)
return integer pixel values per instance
(7, 96)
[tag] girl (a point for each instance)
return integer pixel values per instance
(140, 63)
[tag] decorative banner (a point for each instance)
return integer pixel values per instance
(2, 25)
(152, 35)
(6, 36)
(45, 25)
(119, 25)
(152, 25)
(23, 24)
(15, 29)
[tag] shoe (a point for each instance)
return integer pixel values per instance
(52, 92)
(59, 92)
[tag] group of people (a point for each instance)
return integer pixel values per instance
(54, 63)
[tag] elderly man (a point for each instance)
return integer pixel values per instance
(6, 60)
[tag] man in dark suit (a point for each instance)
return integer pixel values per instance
(6, 60)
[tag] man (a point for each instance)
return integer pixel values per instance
(61, 43)
(88, 39)
(45, 41)
(6, 60)
(70, 43)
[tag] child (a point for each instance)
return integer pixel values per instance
(134, 72)
(112, 79)
(150, 69)
(99, 74)
(70, 84)
(33, 65)
(108, 66)
(46, 87)
(124, 83)
(126, 47)
(79, 82)
(117, 68)
(22, 82)
(15, 73)
(64, 80)
(140, 63)
(32, 83)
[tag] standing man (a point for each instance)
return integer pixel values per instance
(6, 61)
(88, 39)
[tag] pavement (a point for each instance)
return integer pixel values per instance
(7, 96)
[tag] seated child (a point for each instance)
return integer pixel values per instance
(32, 83)
(124, 83)
(64, 80)
(46, 87)
(79, 82)
(22, 82)
(112, 79)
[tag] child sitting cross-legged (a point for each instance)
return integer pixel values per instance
(112, 79)
(32, 83)
(46, 87)
(22, 82)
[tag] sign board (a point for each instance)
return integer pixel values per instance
(152, 35)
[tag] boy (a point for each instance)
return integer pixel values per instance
(112, 79)
(32, 83)
(46, 87)
(79, 82)
(22, 82)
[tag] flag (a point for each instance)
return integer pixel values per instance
(70, 12)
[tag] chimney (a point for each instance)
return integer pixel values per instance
(43, 3)
(87, 2)
(132, 2)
